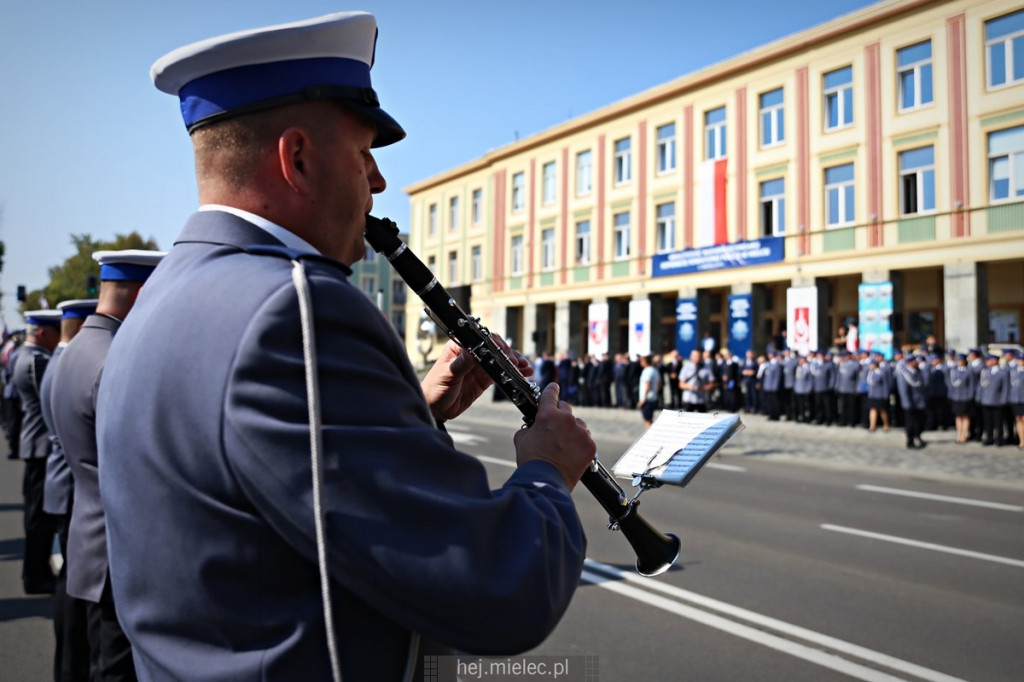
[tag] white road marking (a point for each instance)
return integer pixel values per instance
(724, 467)
(466, 438)
(495, 460)
(635, 587)
(941, 498)
(925, 545)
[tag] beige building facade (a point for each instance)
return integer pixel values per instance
(869, 171)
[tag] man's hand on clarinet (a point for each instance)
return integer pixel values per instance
(556, 437)
(456, 380)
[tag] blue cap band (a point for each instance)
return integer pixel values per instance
(43, 321)
(244, 86)
(125, 272)
(77, 313)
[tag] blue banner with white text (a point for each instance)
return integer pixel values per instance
(741, 323)
(719, 257)
(686, 326)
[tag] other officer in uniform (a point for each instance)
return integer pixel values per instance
(879, 382)
(1015, 396)
(771, 385)
(75, 414)
(232, 505)
(960, 381)
(42, 334)
(71, 658)
(823, 370)
(847, 378)
(992, 394)
(913, 389)
(803, 390)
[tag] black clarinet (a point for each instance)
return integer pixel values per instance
(655, 551)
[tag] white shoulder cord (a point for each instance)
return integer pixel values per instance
(316, 462)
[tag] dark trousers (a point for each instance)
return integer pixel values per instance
(848, 415)
(824, 407)
(913, 424)
(803, 406)
(771, 404)
(108, 639)
(992, 424)
(36, 574)
(71, 661)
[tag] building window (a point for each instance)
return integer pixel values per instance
(917, 181)
(666, 135)
(518, 191)
(773, 118)
(839, 195)
(432, 220)
(548, 175)
(714, 133)
(453, 214)
(622, 161)
(547, 249)
(368, 283)
(665, 227)
(478, 205)
(432, 264)
(516, 253)
(398, 291)
(773, 207)
(583, 177)
(398, 320)
(622, 234)
(477, 263)
(370, 256)
(1004, 49)
(583, 242)
(1006, 164)
(453, 267)
(839, 98)
(914, 73)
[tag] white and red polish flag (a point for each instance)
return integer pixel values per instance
(713, 228)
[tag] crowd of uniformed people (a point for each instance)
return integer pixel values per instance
(979, 395)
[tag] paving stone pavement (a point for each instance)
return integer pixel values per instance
(836, 445)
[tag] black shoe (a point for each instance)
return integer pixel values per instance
(921, 444)
(987, 442)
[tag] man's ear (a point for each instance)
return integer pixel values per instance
(294, 156)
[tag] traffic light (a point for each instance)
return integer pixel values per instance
(90, 286)
(22, 294)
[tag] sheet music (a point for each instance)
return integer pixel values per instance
(676, 444)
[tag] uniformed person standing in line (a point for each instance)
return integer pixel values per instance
(823, 369)
(977, 365)
(771, 385)
(913, 390)
(75, 388)
(803, 390)
(938, 394)
(960, 380)
(71, 658)
(879, 382)
(992, 394)
(847, 378)
(1008, 425)
(789, 363)
(42, 334)
(1015, 397)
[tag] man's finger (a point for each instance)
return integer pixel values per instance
(549, 398)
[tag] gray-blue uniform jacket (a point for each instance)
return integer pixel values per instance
(75, 385)
(59, 483)
(824, 374)
(912, 385)
(847, 377)
(771, 380)
(1015, 373)
(803, 380)
(28, 378)
(961, 383)
(993, 387)
(206, 480)
(879, 381)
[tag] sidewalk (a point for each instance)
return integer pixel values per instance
(784, 440)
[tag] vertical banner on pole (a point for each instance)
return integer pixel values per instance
(875, 311)
(686, 326)
(802, 317)
(741, 324)
(639, 328)
(597, 329)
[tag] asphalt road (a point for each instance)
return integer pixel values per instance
(800, 567)
(807, 554)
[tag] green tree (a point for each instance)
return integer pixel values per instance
(69, 280)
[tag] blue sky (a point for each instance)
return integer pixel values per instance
(90, 146)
